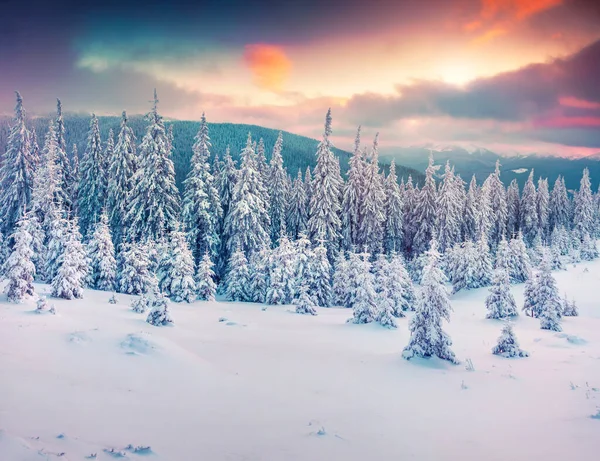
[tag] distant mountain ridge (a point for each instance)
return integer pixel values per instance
(298, 151)
(481, 162)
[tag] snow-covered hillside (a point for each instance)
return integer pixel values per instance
(240, 382)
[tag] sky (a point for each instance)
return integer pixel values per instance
(511, 75)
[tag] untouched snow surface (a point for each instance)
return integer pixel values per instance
(240, 382)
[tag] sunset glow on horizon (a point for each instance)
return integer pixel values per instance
(509, 70)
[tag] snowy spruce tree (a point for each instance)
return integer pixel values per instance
(461, 267)
(297, 215)
(66, 178)
(92, 188)
(498, 206)
(140, 304)
(508, 346)
(588, 250)
(176, 270)
(56, 237)
(371, 227)
(469, 219)
(352, 207)
(569, 308)
(529, 220)
(135, 277)
(583, 213)
(520, 267)
(68, 282)
(427, 338)
(236, 281)
(409, 214)
(340, 279)
(154, 201)
(449, 211)
(500, 303)
(160, 315)
(201, 202)
(393, 223)
(544, 299)
(425, 209)
(319, 275)
(364, 306)
(384, 299)
(277, 190)
(482, 264)
(16, 171)
(560, 206)
(543, 208)
(304, 301)
(403, 291)
(513, 201)
(326, 187)
(121, 169)
(282, 271)
(101, 254)
(19, 268)
(205, 279)
(258, 279)
(247, 224)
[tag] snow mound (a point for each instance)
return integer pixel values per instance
(15, 448)
(573, 339)
(79, 337)
(139, 344)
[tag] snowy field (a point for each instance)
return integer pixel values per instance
(236, 382)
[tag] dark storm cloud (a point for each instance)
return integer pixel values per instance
(528, 93)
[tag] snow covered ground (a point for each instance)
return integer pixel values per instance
(236, 382)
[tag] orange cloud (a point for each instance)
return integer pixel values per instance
(269, 65)
(500, 15)
(568, 122)
(569, 101)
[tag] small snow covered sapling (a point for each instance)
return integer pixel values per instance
(569, 308)
(140, 304)
(508, 346)
(113, 299)
(19, 268)
(42, 306)
(160, 315)
(304, 302)
(500, 303)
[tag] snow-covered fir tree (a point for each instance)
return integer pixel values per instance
(371, 227)
(461, 266)
(225, 183)
(513, 201)
(569, 308)
(483, 206)
(583, 213)
(507, 345)
(121, 169)
(425, 208)
(176, 270)
(282, 271)
(261, 163)
(201, 202)
(340, 279)
(326, 187)
(258, 281)
(92, 188)
(68, 282)
(140, 304)
(352, 273)
(560, 206)
(543, 299)
(427, 338)
(588, 250)
(483, 264)
(520, 267)
(16, 171)
(556, 259)
(236, 280)
(277, 189)
(135, 277)
(319, 275)
(498, 207)
(560, 240)
(76, 173)
(304, 301)
(528, 216)
(19, 268)
(384, 299)
(66, 179)
(364, 305)
(543, 208)
(160, 315)
(57, 233)
(500, 303)
(297, 215)
(352, 208)
(154, 205)
(247, 223)
(101, 254)
(394, 214)
(469, 218)
(206, 287)
(449, 211)
(403, 291)
(408, 212)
